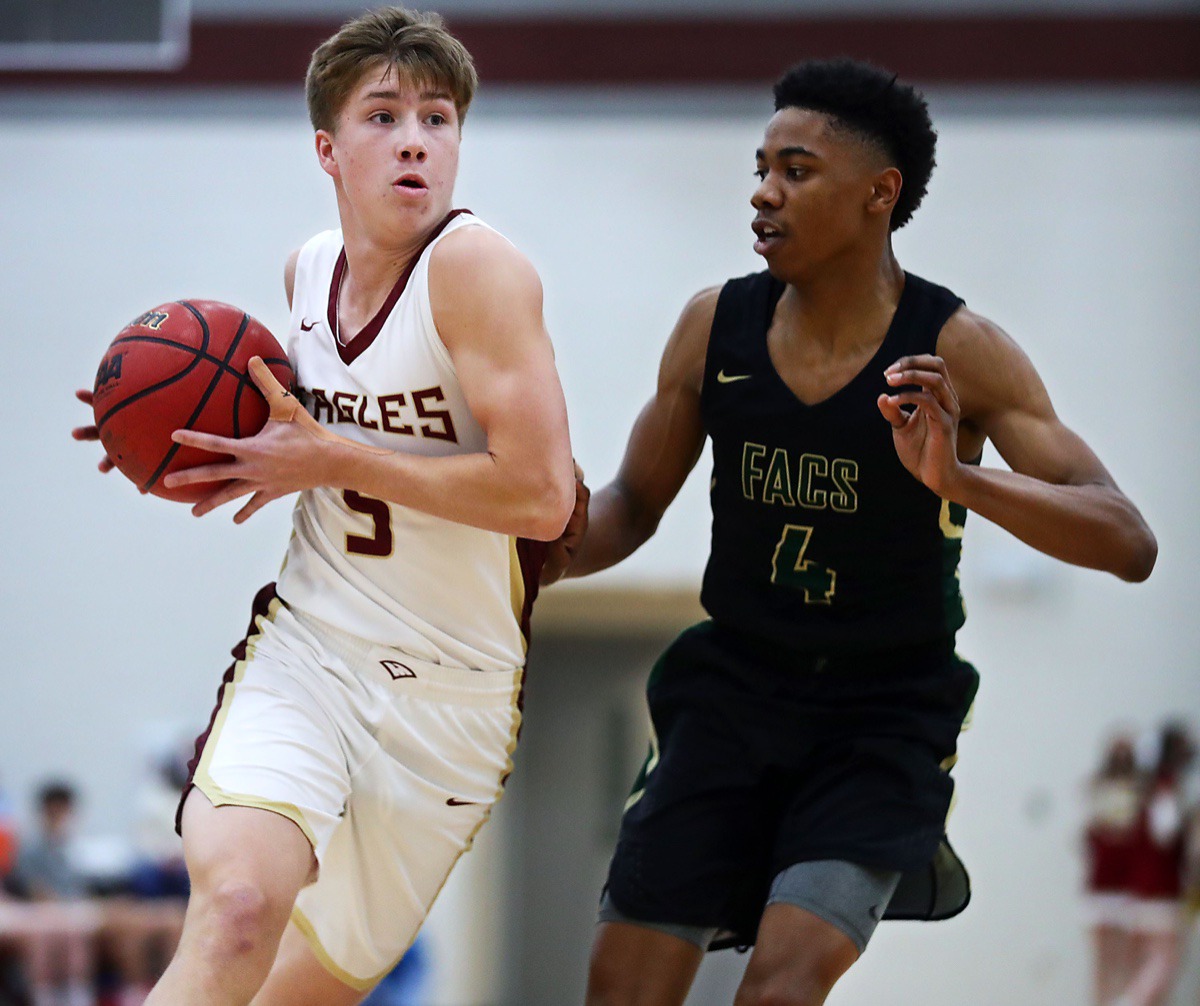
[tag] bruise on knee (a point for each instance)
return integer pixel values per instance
(242, 919)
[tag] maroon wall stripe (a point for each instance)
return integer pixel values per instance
(1160, 49)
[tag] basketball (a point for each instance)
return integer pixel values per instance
(182, 365)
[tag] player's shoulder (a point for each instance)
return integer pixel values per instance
(327, 244)
(477, 263)
(989, 370)
(687, 348)
(319, 251)
(474, 246)
(698, 313)
(970, 341)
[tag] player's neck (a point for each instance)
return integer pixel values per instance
(372, 270)
(838, 305)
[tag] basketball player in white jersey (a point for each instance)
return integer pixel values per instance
(364, 732)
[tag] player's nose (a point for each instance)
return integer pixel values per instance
(766, 194)
(410, 144)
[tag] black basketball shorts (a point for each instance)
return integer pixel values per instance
(762, 759)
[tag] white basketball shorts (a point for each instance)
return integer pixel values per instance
(387, 764)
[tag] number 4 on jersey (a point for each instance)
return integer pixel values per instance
(790, 569)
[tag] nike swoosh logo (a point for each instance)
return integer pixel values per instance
(456, 802)
(724, 378)
(307, 326)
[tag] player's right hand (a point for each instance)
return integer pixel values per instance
(90, 432)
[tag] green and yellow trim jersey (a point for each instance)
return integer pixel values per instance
(820, 538)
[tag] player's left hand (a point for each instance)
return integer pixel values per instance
(105, 464)
(562, 550)
(286, 456)
(924, 420)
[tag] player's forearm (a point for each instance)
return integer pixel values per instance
(507, 495)
(1087, 525)
(616, 529)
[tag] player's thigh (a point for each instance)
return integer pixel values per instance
(633, 965)
(283, 736)
(298, 979)
(245, 845)
(414, 810)
(797, 959)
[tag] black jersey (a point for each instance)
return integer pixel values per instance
(821, 539)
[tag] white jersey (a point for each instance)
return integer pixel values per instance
(441, 591)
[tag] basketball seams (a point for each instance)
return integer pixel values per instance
(180, 395)
(223, 366)
(198, 356)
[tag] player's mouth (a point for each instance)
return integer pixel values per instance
(768, 235)
(411, 184)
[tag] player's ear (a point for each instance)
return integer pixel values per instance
(325, 153)
(885, 190)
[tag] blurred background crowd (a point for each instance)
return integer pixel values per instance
(1142, 852)
(94, 923)
(82, 925)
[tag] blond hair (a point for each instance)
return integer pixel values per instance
(415, 43)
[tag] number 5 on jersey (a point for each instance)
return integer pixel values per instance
(379, 543)
(790, 569)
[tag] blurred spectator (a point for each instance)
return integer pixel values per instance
(159, 870)
(1158, 873)
(8, 837)
(43, 870)
(55, 932)
(1114, 802)
(142, 930)
(12, 982)
(1192, 871)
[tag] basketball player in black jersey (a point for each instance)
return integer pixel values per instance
(798, 787)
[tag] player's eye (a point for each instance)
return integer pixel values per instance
(760, 174)
(796, 171)
(437, 119)
(383, 118)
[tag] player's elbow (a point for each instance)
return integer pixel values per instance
(551, 500)
(1141, 555)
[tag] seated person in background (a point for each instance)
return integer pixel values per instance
(43, 870)
(141, 931)
(8, 839)
(1158, 874)
(55, 932)
(1114, 802)
(159, 871)
(12, 985)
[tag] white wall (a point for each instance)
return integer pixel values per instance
(1077, 233)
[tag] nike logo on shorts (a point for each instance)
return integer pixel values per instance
(307, 326)
(456, 802)
(724, 378)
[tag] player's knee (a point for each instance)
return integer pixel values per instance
(244, 920)
(808, 991)
(609, 983)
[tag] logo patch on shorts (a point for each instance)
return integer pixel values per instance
(397, 670)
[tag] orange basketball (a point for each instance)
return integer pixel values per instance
(181, 366)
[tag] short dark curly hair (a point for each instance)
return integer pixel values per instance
(874, 104)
